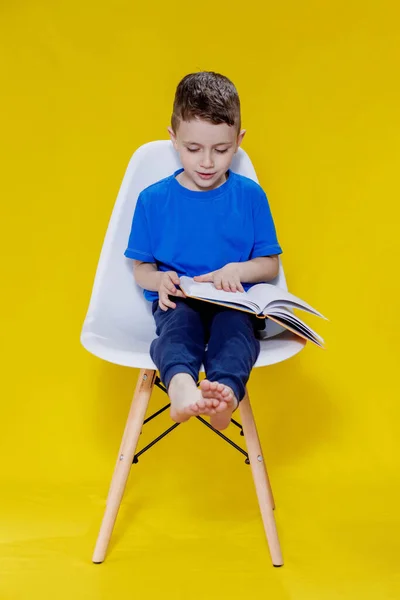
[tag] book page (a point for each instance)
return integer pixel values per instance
(289, 317)
(207, 291)
(297, 329)
(267, 295)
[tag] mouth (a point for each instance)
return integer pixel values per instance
(205, 175)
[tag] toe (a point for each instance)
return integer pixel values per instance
(206, 390)
(205, 385)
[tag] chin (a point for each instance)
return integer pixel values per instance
(204, 184)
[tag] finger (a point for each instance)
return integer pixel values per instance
(171, 288)
(169, 303)
(225, 285)
(174, 278)
(162, 305)
(179, 294)
(218, 282)
(206, 277)
(166, 302)
(161, 301)
(238, 285)
(167, 286)
(232, 285)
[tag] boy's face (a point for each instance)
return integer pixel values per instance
(206, 151)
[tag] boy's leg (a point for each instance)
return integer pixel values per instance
(232, 351)
(178, 353)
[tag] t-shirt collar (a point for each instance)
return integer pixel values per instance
(198, 195)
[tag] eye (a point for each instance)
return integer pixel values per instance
(192, 149)
(222, 151)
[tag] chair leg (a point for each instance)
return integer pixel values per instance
(261, 481)
(130, 438)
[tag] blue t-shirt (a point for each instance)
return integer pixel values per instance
(194, 233)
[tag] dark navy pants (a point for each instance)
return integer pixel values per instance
(184, 332)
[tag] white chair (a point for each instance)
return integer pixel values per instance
(119, 328)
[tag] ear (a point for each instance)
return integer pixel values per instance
(173, 137)
(240, 139)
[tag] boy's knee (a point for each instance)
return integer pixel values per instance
(177, 320)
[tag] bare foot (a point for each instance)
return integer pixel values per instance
(187, 400)
(227, 402)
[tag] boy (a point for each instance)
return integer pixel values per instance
(209, 223)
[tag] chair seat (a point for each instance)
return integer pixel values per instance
(121, 347)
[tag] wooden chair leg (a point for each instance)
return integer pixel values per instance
(261, 481)
(130, 438)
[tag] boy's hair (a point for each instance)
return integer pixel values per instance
(206, 95)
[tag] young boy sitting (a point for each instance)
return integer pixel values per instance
(206, 222)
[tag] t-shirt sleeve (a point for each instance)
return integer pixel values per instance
(139, 244)
(265, 240)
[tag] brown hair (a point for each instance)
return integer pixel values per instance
(206, 95)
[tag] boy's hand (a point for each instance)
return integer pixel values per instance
(168, 281)
(227, 278)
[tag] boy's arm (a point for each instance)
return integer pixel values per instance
(231, 277)
(263, 268)
(146, 275)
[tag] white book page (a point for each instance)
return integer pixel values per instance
(208, 291)
(289, 317)
(267, 295)
(295, 328)
(290, 306)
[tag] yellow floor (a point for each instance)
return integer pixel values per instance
(179, 537)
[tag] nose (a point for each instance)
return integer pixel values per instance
(206, 161)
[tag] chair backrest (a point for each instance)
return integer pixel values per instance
(117, 303)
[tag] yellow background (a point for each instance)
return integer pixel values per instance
(83, 85)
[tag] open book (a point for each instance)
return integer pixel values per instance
(262, 300)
